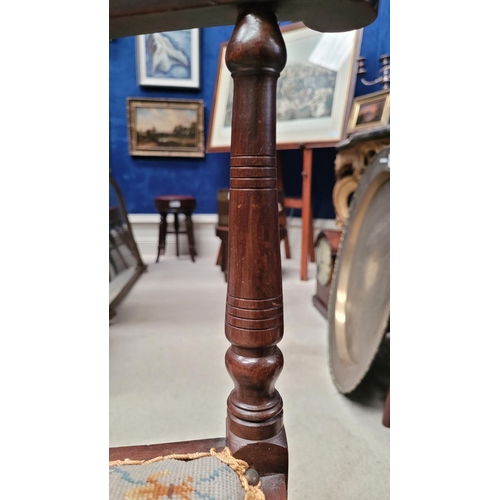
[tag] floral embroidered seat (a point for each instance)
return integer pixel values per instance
(211, 476)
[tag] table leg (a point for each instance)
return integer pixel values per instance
(162, 237)
(306, 212)
(190, 235)
(176, 226)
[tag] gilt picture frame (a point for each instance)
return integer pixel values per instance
(314, 91)
(169, 59)
(166, 127)
(369, 111)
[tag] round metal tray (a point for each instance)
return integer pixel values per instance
(359, 300)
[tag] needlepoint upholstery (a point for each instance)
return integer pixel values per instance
(198, 476)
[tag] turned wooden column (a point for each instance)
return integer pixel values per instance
(255, 56)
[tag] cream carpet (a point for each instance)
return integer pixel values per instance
(168, 381)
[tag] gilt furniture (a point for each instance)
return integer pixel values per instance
(353, 156)
(175, 205)
(255, 56)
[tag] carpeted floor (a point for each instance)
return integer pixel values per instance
(168, 381)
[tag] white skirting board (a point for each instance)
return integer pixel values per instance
(146, 227)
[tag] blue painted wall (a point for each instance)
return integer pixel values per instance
(143, 178)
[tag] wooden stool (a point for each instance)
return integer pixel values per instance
(175, 204)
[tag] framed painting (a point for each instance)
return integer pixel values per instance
(369, 111)
(169, 59)
(166, 127)
(314, 90)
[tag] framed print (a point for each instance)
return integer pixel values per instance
(314, 90)
(166, 127)
(169, 59)
(369, 111)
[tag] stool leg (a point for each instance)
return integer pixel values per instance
(176, 226)
(190, 235)
(218, 262)
(288, 253)
(162, 237)
(224, 259)
(386, 418)
(312, 255)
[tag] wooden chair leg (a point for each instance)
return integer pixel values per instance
(288, 253)
(176, 227)
(386, 419)
(279, 175)
(306, 212)
(219, 256)
(312, 255)
(190, 235)
(223, 264)
(195, 253)
(162, 236)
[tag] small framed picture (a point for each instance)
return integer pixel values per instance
(166, 127)
(369, 111)
(169, 59)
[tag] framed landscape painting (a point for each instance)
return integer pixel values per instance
(314, 90)
(169, 59)
(166, 127)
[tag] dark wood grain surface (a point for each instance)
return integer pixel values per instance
(146, 452)
(137, 17)
(255, 56)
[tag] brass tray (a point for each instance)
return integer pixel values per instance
(358, 310)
